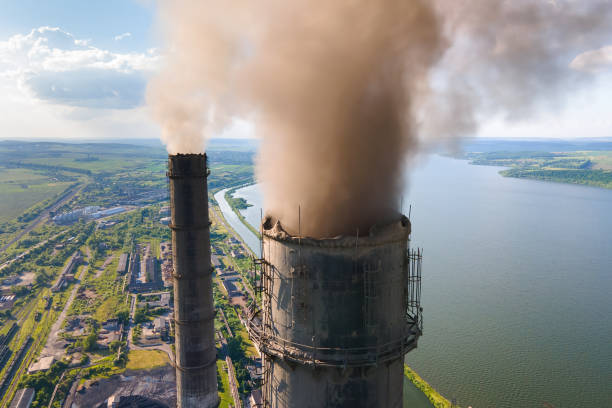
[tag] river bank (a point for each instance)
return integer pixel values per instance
(229, 196)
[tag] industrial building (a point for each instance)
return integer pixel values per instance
(122, 264)
(69, 269)
(108, 212)
(91, 212)
(23, 398)
(75, 215)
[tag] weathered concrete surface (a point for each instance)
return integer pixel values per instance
(196, 375)
(334, 321)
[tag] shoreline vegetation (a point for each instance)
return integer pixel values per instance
(237, 204)
(436, 399)
(591, 168)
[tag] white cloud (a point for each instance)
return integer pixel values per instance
(122, 36)
(112, 89)
(53, 85)
(53, 66)
(594, 61)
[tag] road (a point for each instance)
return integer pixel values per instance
(44, 215)
(55, 344)
(165, 347)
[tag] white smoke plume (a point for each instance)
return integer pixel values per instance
(343, 91)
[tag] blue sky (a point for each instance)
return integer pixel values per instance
(79, 69)
(98, 20)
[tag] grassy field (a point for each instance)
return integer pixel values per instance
(146, 359)
(101, 296)
(20, 189)
(225, 393)
(225, 175)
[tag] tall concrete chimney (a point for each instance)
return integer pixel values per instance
(196, 373)
(338, 317)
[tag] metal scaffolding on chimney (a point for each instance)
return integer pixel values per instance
(379, 281)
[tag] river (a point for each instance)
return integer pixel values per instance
(230, 216)
(517, 286)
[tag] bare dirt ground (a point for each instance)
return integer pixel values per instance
(238, 300)
(25, 279)
(89, 294)
(103, 267)
(158, 384)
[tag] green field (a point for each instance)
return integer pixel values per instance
(146, 359)
(21, 188)
(225, 175)
(225, 394)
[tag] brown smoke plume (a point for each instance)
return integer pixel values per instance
(342, 91)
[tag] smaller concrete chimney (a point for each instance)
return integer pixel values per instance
(196, 371)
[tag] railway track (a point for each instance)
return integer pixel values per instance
(9, 375)
(21, 360)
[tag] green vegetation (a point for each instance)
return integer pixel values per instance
(103, 368)
(146, 359)
(136, 333)
(226, 175)
(100, 296)
(89, 342)
(593, 168)
(436, 399)
(597, 178)
(239, 346)
(22, 189)
(44, 383)
(238, 204)
(225, 393)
